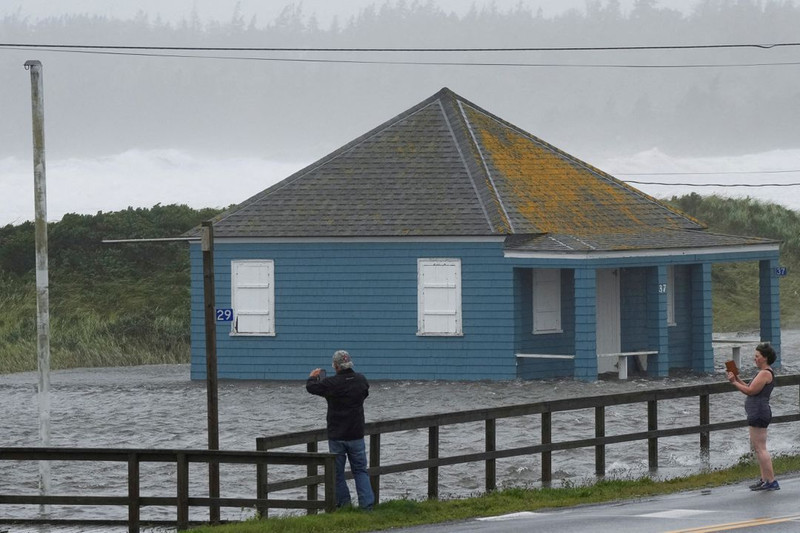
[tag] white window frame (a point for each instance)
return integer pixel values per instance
(424, 302)
(546, 301)
(238, 286)
(671, 296)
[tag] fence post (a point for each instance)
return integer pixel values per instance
(261, 482)
(491, 446)
(600, 449)
(433, 471)
(652, 442)
(330, 485)
(705, 418)
(183, 491)
(311, 470)
(133, 492)
(375, 462)
(547, 456)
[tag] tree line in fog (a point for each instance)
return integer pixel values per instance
(282, 105)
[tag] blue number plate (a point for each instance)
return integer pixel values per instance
(224, 315)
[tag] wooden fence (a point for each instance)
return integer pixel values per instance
(182, 500)
(312, 460)
(490, 416)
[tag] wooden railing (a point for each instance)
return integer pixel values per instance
(312, 460)
(182, 500)
(545, 448)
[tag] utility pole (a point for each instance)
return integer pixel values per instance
(42, 283)
(209, 299)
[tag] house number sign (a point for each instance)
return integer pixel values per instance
(224, 314)
(781, 271)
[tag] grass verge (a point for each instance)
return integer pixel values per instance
(406, 513)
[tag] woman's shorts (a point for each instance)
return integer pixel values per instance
(759, 422)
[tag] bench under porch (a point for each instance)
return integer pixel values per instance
(622, 358)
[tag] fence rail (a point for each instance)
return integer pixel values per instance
(489, 416)
(182, 500)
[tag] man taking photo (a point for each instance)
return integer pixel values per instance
(345, 393)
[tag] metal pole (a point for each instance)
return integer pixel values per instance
(42, 283)
(211, 365)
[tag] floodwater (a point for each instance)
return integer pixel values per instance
(159, 407)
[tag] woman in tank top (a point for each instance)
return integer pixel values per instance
(759, 413)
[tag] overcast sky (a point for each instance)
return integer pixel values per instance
(165, 174)
(267, 10)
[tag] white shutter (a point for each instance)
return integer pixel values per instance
(547, 300)
(439, 297)
(253, 297)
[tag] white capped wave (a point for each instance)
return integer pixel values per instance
(144, 178)
(135, 178)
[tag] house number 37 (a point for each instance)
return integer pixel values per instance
(662, 288)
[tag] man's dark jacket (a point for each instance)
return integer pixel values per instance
(345, 393)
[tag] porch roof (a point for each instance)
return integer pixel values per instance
(652, 239)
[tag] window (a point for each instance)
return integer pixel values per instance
(439, 297)
(253, 297)
(546, 301)
(671, 296)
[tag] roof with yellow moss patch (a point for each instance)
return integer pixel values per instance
(446, 167)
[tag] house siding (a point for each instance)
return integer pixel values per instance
(550, 343)
(769, 305)
(633, 309)
(361, 297)
(680, 335)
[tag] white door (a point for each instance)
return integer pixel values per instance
(608, 318)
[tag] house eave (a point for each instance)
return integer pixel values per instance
(374, 239)
(630, 254)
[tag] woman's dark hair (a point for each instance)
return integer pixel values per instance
(767, 351)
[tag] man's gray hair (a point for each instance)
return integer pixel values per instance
(341, 359)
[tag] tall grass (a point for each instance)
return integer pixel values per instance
(109, 305)
(94, 326)
(735, 285)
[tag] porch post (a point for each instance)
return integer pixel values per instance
(769, 309)
(585, 324)
(657, 332)
(702, 355)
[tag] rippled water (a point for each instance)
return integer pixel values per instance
(159, 407)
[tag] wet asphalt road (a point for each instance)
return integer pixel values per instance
(727, 508)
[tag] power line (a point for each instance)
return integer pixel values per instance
(763, 46)
(725, 185)
(420, 63)
(731, 172)
(706, 173)
(168, 52)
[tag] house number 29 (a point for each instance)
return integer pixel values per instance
(662, 288)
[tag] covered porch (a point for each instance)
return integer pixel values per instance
(616, 318)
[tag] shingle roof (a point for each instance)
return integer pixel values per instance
(446, 167)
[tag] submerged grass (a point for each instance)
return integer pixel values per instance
(405, 513)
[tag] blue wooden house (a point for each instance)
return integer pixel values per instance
(447, 243)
